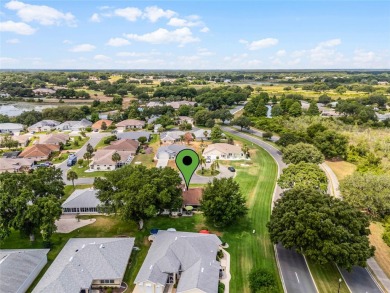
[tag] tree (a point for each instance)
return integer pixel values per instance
(322, 227)
(104, 125)
(303, 175)
(205, 134)
(315, 128)
(72, 176)
(290, 138)
(313, 109)
(95, 117)
(90, 148)
(137, 192)
(368, 192)
(243, 122)
(214, 166)
(8, 142)
(276, 111)
(302, 152)
(262, 281)
(87, 156)
(295, 109)
(341, 89)
(222, 202)
(331, 144)
(34, 205)
(216, 133)
(116, 157)
(142, 139)
(324, 99)
(245, 150)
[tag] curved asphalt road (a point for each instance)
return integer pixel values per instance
(295, 274)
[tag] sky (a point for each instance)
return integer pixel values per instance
(185, 34)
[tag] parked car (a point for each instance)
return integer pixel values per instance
(208, 160)
(231, 169)
(72, 160)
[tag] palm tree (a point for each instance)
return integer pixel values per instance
(72, 176)
(116, 158)
(214, 166)
(245, 150)
(87, 156)
(202, 162)
(205, 134)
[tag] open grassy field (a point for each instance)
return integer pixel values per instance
(327, 277)
(382, 252)
(341, 168)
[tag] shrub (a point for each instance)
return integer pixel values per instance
(262, 280)
(88, 129)
(221, 287)
(386, 234)
(267, 135)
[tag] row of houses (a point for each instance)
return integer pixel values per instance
(184, 260)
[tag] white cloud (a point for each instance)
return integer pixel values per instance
(260, 44)
(325, 55)
(362, 58)
(42, 14)
(95, 18)
(281, 53)
(102, 58)
(137, 54)
(330, 43)
(163, 36)
(205, 30)
(294, 61)
(67, 42)
(13, 41)
(118, 42)
(7, 61)
(20, 28)
(175, 21)
(82, 48)
(204, 52)
(154, 13)
(130, 13)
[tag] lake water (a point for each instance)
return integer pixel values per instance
(269, 115)
(13, 110)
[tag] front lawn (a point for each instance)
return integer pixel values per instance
(146, 160)
(81, 171)
(207, 172)
(76, 143)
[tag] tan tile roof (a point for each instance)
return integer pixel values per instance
(54, 138)
(192, 196)
(223, 148)
(104, 157)
(130, 122)
(98, 124)
(124, 145)
(39, 150)
(14, 164)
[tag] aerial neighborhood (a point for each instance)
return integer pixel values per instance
(286, 177)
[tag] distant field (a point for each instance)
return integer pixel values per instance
(341, 168)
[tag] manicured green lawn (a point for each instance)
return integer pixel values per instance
(327, 277)
(207, 173)
(101, 143)
(81, 171)
(60, 158)
(146, 160)
(76, 144)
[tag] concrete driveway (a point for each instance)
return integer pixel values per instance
(94, 139)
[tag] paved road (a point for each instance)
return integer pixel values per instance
(224, 173)
(360, 281)
(95, 137)
(292, 265)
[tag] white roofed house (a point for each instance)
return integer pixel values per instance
(15, 165)
(171, 136)
(19, 268)
(74, 125)
(130, 124)
(12, 128)
(202, 134)
(87, 264)
(169, 152)
(82, 201)
(223, 151)
(44, 125)
(54, 138)
(182, 258)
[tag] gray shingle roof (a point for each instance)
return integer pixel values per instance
(17, 265)
(83, 260)
(82, 198)
(192, 253)
(133, 135)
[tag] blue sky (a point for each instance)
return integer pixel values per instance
(194, 34)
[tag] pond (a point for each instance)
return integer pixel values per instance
(16, 109)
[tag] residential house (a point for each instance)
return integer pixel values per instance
(156, 127)
(382, 117)
(11, 154)
(124, 145)
(192, 197)
(44, 92)
(54, 138)
(185, 119)
(22, 140)
(12, 128)
(82, 201)
(169, 152)
(39, 152)
(102, 160)
(153, 119)
(98, 124)
(74, 125)
(130, 124)
(44, 125)
(183, 260)
(171, 136)
(134, 135)
(20, 267)
(223, 151)
(15, 165)
(202, 134)
(154, 104)
(87, 264)
(176, 105)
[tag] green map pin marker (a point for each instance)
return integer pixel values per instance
(187, 161)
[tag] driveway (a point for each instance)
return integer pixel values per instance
(223, 173)
(161, 163)
(94, 139)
